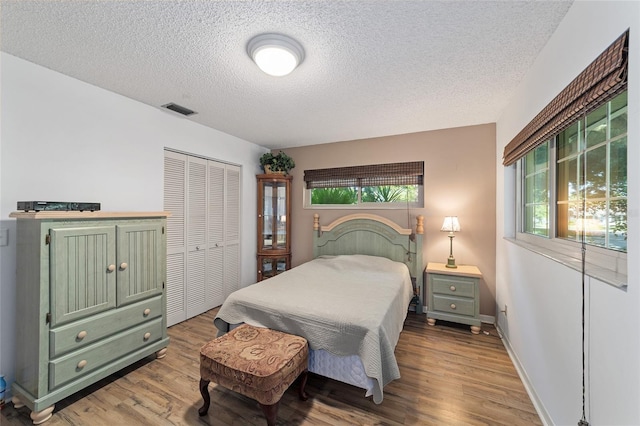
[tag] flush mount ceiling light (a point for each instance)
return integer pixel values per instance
(275, 54)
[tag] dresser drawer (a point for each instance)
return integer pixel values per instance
(454, 305)
(83, 361)
(82, 333)
(455, 286)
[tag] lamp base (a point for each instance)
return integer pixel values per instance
(451, 262)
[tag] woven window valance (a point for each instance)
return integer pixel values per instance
(602, 80)
(411, 173)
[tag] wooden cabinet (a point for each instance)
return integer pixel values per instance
(453, 294)
(274, 225)
(90, 300)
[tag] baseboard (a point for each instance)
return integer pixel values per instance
(537, 403)
(488, 319)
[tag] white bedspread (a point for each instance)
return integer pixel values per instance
(346, 305)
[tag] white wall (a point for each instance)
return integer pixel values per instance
(542, 327)
(65, 140)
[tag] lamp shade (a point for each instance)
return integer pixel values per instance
(450, 224)
(275, 54)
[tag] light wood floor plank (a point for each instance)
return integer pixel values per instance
(449, 377)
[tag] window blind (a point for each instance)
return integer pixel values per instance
(411, 173)
(602, 80)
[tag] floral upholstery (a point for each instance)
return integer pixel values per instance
(256, 362)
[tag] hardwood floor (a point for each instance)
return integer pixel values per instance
(449, 377)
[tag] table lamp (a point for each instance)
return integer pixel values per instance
(451, 225)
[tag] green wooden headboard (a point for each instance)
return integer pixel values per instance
(372, 235)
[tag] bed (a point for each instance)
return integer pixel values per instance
(349, 302)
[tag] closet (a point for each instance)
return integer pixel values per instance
(203, 233)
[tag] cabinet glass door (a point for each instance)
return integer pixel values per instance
(272, 266)
(274, 216)
(274, 225)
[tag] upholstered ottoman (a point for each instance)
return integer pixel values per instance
(256, 362)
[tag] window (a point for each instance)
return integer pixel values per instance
(395, 185)
(590, 196)
(585, 191)
(592, 177)
(571, 171)
(388, 194)
(535, 191)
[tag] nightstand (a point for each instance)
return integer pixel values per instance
(453, 294)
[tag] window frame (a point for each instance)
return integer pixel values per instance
(605, 264)
(399, 205)
(550, 184)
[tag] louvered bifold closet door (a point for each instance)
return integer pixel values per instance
(175, 190)
(216, 265)
(203, 236)
(232, 230)
(196, 236)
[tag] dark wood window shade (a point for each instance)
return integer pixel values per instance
(411, 173)
(602, 80)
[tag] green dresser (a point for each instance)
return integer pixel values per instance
(90, 300)
(453, 294)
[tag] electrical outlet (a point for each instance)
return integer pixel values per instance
(504, 311)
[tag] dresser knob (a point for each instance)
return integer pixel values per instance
(123, 266)
(111, 268)
(146, 336)
(82, 364)
(146, 312)
(452, 288)
(453, 306)
(81, 335)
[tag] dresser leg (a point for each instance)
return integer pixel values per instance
(161, 353)
(16, 402)
(42, 416)
(431, 321)
(475, 329)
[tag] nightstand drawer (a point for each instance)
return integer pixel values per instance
(454, 305)
(455, 286)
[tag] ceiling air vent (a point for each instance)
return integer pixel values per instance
(179, 109)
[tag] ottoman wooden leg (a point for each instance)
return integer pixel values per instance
(204, 391)
(303, 382)
(270, 412)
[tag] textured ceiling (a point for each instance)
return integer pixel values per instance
(371, 68)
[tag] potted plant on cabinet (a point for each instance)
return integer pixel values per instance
(279, 163)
